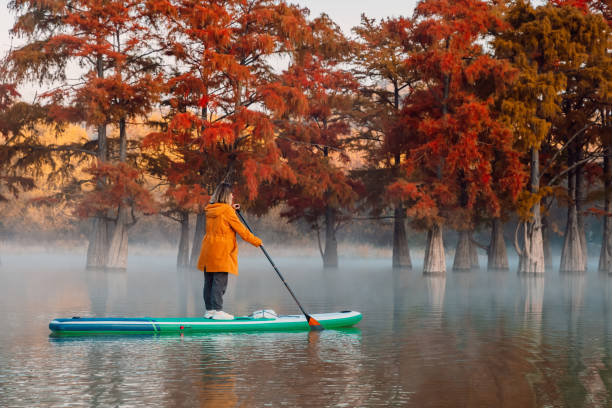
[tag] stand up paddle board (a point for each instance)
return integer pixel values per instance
(142, 325)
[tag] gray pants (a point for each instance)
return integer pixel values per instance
(215, 284)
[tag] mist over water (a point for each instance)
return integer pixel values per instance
(478, 338)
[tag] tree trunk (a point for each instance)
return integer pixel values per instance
(198, 236)
(97, 249)
(605, 257)
(572, 255)
(497, 254)
(435, 260)
(118, 249)
(473, 252)
(401, 251)
(182, 259)
(546, 241)
(463, 253)
(580, 200)
(330, 255)
(532, 253)
(532, 259)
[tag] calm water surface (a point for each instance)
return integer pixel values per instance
(476, 339)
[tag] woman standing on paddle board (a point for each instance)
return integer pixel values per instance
(219, 253)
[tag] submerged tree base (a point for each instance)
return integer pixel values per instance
(97, 251)
(435, 260)
(118, 248)
(572, 257)
(497, 254)
(463, 254)
(531, 259)
(401, 251)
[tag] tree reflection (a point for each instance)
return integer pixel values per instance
(533, 301)
(436, 289)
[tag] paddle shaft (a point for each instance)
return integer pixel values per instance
(276, 269)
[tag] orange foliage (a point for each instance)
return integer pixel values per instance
(118, 185)
(461, 158)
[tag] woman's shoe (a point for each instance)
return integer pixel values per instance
(221, 315)
(209, 314)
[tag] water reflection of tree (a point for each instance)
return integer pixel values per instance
(107, 291)
(581, 383)
(573, 293)
(605, 282)
(464, 363)
(546, 390)
(594, 353)
(436, 289)
(190, 284)
(303, 369)
(464, 282)
(197, 371)
(533, 302)
(401, 288)
(217, 372)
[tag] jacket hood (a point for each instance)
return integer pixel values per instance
(215, 210)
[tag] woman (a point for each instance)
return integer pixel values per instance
(219, 253)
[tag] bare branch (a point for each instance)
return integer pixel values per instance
(572, 167)
(552, 160)
(317, 145)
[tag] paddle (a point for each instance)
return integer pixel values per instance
(312, 322)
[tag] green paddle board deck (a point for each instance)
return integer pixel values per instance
(142, 325)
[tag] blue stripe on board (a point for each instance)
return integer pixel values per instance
(106, 319)
(86, 326)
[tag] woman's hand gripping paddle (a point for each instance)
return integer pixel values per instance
(312, 322)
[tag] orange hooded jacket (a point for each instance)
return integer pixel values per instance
(219, 251)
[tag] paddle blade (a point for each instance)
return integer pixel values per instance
(314, 324)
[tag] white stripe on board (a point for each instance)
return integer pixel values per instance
(323, 317)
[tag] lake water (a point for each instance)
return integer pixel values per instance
(476, 339)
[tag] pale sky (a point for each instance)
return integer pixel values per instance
(347, 13)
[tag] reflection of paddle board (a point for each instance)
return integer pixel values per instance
(140, 325)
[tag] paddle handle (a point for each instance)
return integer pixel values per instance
(275, 268)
